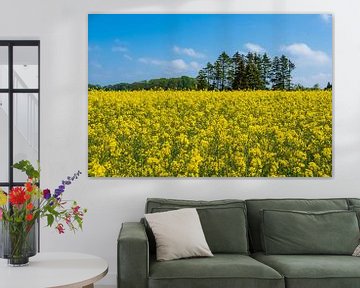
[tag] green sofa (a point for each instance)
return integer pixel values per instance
(233, 230)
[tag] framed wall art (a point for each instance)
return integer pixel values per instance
(210, 95)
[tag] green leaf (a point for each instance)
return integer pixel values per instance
(53, 211)
(26, 167)
(79, 221)
(50, 219)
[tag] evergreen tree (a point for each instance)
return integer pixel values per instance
(299, 87)
(286, 68)
(238, 82)
(276, 76)
(316, 87)
(281, 70)
(217, 75)
(328, 86)
(222, 71)
(201, 80)
(252, 72)
(209, 70)
(260, 81)
(266, 70)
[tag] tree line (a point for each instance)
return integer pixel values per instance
(246, 72)
(180, 83)
(252, 71)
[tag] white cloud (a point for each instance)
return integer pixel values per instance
(119, 48)
(128, 57)
(179, 64)
(143, 60)
(157, 62)
(188, 52)
(96, 65)
(306, 55)
(151, 61)
(326, 17)
(320, 78)
(242, 52)
(195, 65)
(255, 48)
(172, 66)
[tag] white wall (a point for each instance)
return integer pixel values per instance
(62, 28)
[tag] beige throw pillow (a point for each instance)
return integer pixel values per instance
(178, 234)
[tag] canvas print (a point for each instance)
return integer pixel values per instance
(185, 95)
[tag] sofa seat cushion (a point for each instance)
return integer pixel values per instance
(222, 270)
(313, 271)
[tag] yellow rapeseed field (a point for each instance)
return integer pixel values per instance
(210, 134)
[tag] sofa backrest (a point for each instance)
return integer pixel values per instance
(256, 205)
(353, 202)
(223, 221)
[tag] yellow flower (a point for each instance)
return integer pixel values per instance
(210, 133)
(3, 198)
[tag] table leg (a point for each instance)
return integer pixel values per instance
(89, 286)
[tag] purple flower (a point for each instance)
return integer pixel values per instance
(68, 181)
(46, 194)
(58, 192)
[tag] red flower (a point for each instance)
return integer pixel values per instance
(29, 206)
(29, 186)
(75, 209)
(60, 228)
(29, 217)
(68, 219)
(17, 196)
(27, 196)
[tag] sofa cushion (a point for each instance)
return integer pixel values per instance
(353, 201)
(254, 206)
(222, 270)
(354, 205)
(223, 221)
(297, 232)
(356, 209)
(313, 271)
(178, 234)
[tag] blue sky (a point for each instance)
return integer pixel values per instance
(132, 47)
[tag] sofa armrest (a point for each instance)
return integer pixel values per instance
(133, 256)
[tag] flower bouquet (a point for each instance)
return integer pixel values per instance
(21, 208)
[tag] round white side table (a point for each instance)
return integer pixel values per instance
(50, 270)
